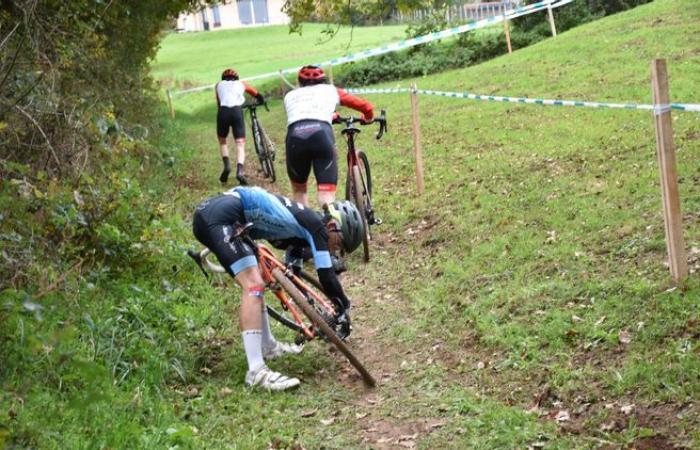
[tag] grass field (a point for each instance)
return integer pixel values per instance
(198, 58)
(521, 302)
(498, 306)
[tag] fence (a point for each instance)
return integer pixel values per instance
(661, 108)
(460, 13)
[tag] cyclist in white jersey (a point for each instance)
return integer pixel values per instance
(229, 98)
(310, 141)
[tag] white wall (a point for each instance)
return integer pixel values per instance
(228, 12)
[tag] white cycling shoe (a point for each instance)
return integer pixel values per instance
(281, 349)
(267, 378)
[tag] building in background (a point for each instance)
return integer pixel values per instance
(234, 14)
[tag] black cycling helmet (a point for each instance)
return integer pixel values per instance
(352, 227)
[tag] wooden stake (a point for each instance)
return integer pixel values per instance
(673, 220)
(170, 104)
(417, 151)
(506, 28)
(330, 74)
(551, 21)
(283, 85)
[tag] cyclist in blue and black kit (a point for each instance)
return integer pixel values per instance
(285, 224)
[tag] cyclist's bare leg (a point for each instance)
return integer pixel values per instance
(299, 193)
(223, 147)
(251, 301)
(223, 150)
(325, 197)
(251, 322)
(240, 159)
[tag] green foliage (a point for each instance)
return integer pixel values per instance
(468, 49)
(572, 15)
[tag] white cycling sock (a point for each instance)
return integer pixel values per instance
(268, 340)
(252, 343)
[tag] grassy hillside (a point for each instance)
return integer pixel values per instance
(199, 58)
(503, 298)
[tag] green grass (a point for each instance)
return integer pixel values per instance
(506, 285)
(199, 58)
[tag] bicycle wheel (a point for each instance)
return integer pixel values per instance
(359, 199)
(267, 154)
(321, 324)
(258, 144)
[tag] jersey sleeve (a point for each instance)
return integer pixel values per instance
(250, 89)
(356, 103)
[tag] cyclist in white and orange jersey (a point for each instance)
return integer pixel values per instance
(229, 98)
(310, 140)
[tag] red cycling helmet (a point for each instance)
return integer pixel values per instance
(309, 75)
(229, 74)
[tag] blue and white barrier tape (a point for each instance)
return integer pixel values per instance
(658, 109)
(407, 43)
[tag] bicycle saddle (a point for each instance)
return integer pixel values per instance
(242, 229)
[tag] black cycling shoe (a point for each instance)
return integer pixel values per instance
(242, 180)
(227, 170)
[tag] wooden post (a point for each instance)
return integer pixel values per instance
(330, 74)
(417, 151)
(170, 104)
(506, 28)
(673, 220)
(551, 20)
(283, 85)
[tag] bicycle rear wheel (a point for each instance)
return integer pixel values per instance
(321, 324)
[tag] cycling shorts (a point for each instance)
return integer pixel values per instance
(230, 117)
(215, 231)
(311, 143)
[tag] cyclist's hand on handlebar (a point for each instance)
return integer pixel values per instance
(260, 98)
(335, 118)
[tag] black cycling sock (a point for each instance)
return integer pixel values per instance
(227, 170)
(239, 175)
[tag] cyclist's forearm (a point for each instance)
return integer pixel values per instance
(331, 285)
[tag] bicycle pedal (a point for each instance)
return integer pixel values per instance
(376, 221)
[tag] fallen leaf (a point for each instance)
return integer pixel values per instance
(326, 422)
(627, 409)
(600, 321)
(308, 413)
(562, 416)
(436, 424)
(625, 337)
(360, 415)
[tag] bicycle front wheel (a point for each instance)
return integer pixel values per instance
(267, 157)
(321, 324)
(360, 194)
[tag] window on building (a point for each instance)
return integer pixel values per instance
(216, 15)
(245, 12)
(260, 11)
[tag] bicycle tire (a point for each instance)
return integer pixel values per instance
(257, 143)
(314, 317)
(267, 157)
(360, 203)
(282, 319)
(364, 167)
